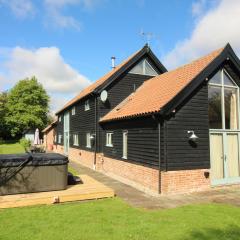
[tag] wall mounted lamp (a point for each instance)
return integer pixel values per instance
(193, 137)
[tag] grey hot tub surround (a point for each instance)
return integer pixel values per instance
(43, 172)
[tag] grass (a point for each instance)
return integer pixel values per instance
(73, 171)
(114, 219)
(10, 147)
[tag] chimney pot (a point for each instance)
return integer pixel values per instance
(113, 62)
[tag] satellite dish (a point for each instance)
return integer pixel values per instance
(104, 96)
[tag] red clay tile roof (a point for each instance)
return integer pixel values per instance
(96, 84)
(155, 93)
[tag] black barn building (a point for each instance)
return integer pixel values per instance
(162, 132)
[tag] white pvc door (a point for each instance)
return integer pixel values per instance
(224, 154)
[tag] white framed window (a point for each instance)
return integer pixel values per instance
(109, 136)
(60, 138)
(73, 110)
(75, 140)
(86, 105)
(125, 144)
(88, 140)
(55, 138)
(60, 118)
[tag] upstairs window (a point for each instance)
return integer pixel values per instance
(86, 105)
(223, 102)
(55, 138)
(144, 68)
(75, 140)
(88, 140)
(73, 110)
(60, 118)
(109, 136)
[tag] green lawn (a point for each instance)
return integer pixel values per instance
(8, 148)
(114, 219)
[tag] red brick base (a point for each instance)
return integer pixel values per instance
(86, 158)
(184, 181)
(138, 176)
(142, 177)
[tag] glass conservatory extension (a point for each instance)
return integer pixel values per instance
(223, 111)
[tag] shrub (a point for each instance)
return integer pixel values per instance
(26, 143)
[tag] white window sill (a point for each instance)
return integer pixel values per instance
(88, 146)
(124, 157)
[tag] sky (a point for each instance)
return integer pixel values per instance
(67, 44)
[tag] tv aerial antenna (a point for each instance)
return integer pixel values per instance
(147, 36)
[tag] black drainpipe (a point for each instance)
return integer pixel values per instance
(165, 145)
(159, 157)
(157, 119)
(96, 133)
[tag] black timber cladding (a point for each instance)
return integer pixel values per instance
(177, 153)
(180, 154)
(117, 92)
(118, 89)
(59, 128)
(142, 141)
(82, 122)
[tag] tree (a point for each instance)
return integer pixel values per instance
(3, 112)
(27, 106)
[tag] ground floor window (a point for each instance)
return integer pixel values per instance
(125, 144)
(88, 140)
(109, 136)
(60, 138)
(75, 140)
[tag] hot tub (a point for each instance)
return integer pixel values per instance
(42, 172)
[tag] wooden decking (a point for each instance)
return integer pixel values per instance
(90, 189)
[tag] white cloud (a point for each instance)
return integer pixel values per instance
(56, 17)
(213, 30)
(20, 8)
(47, 64)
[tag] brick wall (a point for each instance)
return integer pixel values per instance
(138, 176)
(142, 177)
(86, 158)
(48, 139)
(184, 181)
(58, 149)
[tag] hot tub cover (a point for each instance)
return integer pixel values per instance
(38, 159)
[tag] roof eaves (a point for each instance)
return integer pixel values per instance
(144, 114)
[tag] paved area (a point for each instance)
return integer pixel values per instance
(134, 197)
